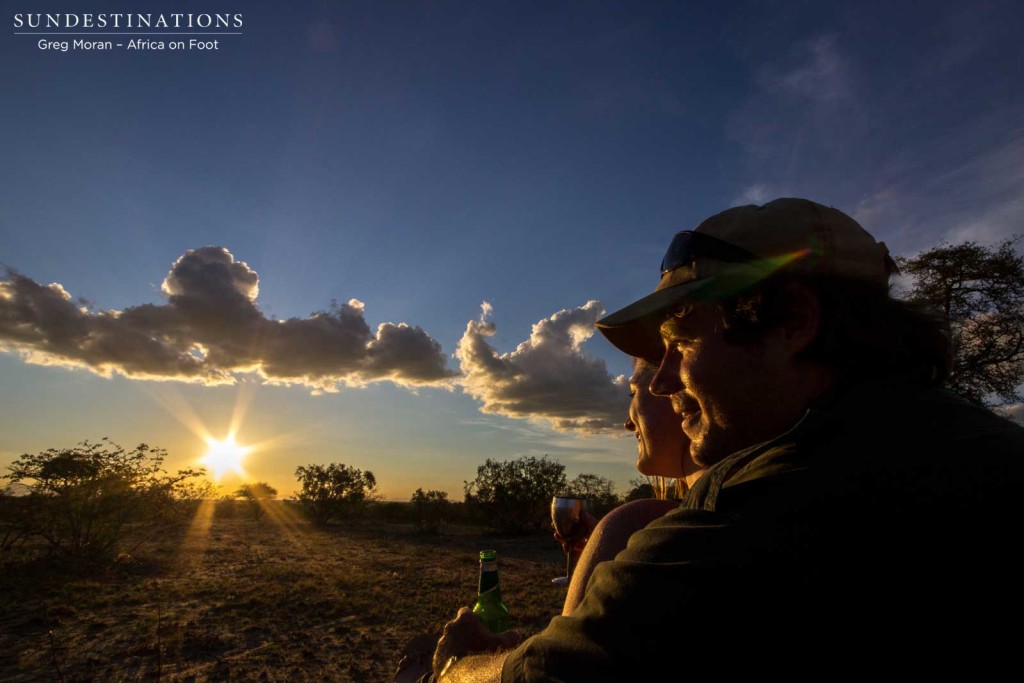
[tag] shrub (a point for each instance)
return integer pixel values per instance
(600, 490)
(254, 496)
(515, 495)
(84, 501)
(430, 509)
(334, 491)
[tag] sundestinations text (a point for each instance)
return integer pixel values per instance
(127, 20)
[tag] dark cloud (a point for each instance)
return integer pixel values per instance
(548, 376)
(211, 328)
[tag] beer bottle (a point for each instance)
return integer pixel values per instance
(489, 607)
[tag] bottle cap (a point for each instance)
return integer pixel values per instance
(488, 554)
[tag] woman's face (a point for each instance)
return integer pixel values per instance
(662, 448)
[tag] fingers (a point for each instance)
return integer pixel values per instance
(510, 639)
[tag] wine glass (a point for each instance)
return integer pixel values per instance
(567, 514)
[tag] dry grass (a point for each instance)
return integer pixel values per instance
(233, 599)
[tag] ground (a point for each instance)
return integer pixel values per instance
(232, 598)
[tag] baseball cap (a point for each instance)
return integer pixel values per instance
(739, 247)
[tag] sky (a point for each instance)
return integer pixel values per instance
(380, 233)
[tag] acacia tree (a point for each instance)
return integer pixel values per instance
(86, 499)
(980, 292)
(334, 491)
(515, 495)
(254, 496)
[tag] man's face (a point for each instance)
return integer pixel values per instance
(729, 396)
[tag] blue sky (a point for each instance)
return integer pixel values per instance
(402, 164)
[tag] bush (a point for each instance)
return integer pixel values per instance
(430, 509)
(515, 495)
(640, 490)
(84, 501)
(254, 495)
(600, 490)
(334, 491)
(15, 520)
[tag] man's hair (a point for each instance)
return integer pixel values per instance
(863, 332)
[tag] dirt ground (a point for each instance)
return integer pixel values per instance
(276, 599)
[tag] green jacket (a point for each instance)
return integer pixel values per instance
(881, 533)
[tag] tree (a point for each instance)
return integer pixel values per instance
(980, 293)
(430, 509)
(15, 519)
(254, 495)
(600, 490)
(86, 499)
(515, 495)
(662, 488)
(334, 491)
(640, 489)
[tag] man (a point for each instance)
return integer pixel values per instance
(855, 516)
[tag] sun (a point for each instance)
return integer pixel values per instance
(224, 456)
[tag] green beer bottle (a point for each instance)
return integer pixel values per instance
(489, 607)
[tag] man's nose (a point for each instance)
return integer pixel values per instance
(666, 380)
(630, 425)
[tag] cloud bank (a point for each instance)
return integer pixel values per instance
(548, 376)
(211, 328)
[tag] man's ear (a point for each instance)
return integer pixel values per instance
(802, 322)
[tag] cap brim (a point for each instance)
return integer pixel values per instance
(635, 329)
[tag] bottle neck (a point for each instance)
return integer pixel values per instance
(488, 577)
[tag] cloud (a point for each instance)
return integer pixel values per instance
(975, 191)
(1014, 412)
(548, 376)
(820, 75)
(803, 118)
(920, 149)
(211, 328)
(759, 193)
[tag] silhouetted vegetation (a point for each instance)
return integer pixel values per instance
(335, 491)
(431, 510)
(515, 495)
(254, 495)
(600, 490)
(980, 292)
(86, 502)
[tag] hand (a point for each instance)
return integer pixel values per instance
(467, 635)
(590, 522)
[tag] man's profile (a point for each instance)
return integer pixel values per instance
(855, 515)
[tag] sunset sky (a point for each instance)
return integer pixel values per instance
(379, 233)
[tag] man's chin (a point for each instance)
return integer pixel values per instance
(704, 453)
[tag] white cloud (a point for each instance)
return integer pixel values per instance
(548, 377)
(1015, 412)
(819, 75)
(759, 193)
(210, 329)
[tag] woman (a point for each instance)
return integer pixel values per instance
(662, 451)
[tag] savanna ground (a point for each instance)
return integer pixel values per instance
(232, 598)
